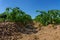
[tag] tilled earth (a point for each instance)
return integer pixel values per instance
(11, 31)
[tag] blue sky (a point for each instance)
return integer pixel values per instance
(30, 6)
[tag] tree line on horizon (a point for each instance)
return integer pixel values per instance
(45, 17)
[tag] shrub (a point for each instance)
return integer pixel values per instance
(50, 17)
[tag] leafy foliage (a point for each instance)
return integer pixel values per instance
(45, 17)
(16, 15)
(50, 17)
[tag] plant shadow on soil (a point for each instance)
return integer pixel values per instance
(11, 28)
(28, 29)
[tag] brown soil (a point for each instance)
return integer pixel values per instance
(9, 31)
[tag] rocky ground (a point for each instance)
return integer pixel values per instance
(11, 31)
